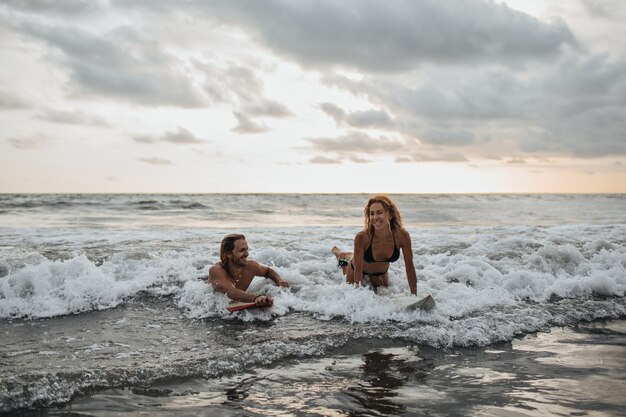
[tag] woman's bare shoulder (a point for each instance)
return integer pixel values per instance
(362, 237)
(402, 233)
(362, 234)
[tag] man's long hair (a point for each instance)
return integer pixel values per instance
(228, 244)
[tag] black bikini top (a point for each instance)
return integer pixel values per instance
(368, 256)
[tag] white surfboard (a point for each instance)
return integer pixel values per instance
(409, 304)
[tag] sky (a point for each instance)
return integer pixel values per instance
(351, 96)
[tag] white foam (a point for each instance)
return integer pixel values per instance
(471, 272)
(54, 288)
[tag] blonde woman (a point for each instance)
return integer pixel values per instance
(377, 245)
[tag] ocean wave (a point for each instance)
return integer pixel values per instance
(46, 389)
(237, 348)
(464, 270)
(48, 288)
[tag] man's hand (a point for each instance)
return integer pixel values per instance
(263, 301)
(282, 283)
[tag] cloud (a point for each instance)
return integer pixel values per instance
(395, 35)
(433, 156)
(63, 8)
(155, 161)
(73, 117)
(237, 85)
(319, 159)
(360, 160)
(247, 125)
(34, 141)
(357, 119)
(119, 64)
(267, 108)
(438, 157)
(335, 112)
(575, 106)
(355, 142)
(180, 136)
(448, 137)
(11, 101)
(379, 119)
(230, 82)
(599, 8)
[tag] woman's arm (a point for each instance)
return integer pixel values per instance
(407, 252)
(360, 243)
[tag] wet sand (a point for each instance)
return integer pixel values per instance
(578, 370)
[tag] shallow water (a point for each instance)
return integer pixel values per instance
(100, 295)
(568, 371)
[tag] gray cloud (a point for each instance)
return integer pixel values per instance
(320, 159)
(394, 35)
(120, 64)
(357, 119)
(11, 101)
(63, 8)
(267, 108)
(239, 86)
(34, 141)
(438, 157)
(575, 106)
(359, 160)
(180, 136)
(231, 83)
(449, 74)
(74, 118)
(355, 142)
(335, 112)
(247, 125)
(599, 8)
(448, 137)
(381, 120)
(369, 118)
(155, 161)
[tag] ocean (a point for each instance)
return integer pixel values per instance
(104, 308)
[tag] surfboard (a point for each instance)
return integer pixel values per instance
(425, 304)
(240, 305)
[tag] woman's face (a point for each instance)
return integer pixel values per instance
(379, 217)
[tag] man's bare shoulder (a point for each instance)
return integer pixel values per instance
(217, 271)
(254, 266)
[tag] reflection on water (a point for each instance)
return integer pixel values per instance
(383, 374)
(529, 377)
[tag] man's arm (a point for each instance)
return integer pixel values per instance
(269, 273)
(220, 282)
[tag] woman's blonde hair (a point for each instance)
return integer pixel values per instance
(228, 244)
(395, 218)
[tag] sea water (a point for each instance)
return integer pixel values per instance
(104, 303)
